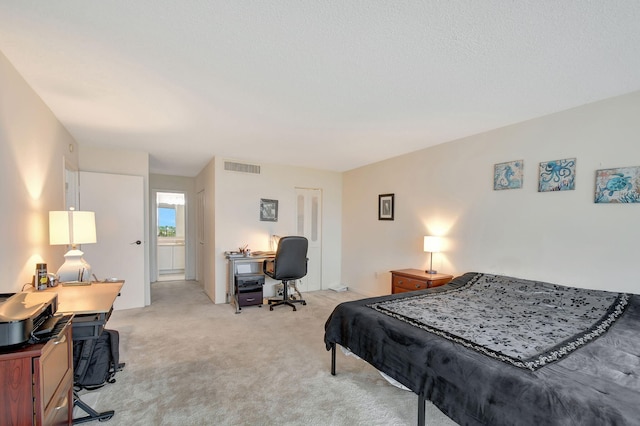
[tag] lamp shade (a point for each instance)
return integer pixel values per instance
(432, 244)
(72, 227)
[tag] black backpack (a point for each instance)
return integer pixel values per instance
(96, 361)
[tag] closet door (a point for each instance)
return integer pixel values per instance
(309, 225)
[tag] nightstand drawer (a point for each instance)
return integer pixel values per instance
(401, 284)
(403, 280)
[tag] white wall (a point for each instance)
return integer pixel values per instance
(561, 237)
(33, 145)
(166, 183)
(237, 218)
(122, 162)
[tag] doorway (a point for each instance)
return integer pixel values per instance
(170, 232)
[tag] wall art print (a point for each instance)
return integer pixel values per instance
(619, 185)
(385, 206)
(557, 175)
(268, 210)
(508, 175)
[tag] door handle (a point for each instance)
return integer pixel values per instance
(137, 242)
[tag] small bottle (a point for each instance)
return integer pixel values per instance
(41, 276)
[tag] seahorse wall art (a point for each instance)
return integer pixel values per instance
(508, 175)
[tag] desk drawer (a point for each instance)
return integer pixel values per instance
(250, 299)
(54, 376)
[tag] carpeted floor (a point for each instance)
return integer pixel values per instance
(190, 362)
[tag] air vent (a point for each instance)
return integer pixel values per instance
(241, 167)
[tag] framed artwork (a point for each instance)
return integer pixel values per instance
(385, 206)
(508, 175)
(268, 210)
(557, 175)
(620, 185)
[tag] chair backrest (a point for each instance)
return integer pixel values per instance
(291, 258)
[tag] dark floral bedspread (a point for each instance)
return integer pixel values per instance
(522, 322)
(597, 384)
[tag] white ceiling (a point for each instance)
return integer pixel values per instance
(328, 84)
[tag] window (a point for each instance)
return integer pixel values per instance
(166, 222)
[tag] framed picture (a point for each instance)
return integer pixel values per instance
(508, 175)
(621, 185)
(557, 175)
(385, 206)
(268, 210)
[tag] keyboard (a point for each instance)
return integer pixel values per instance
(50, 328)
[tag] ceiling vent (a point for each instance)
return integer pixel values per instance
(241, 167)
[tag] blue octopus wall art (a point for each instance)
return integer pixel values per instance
(557, 175)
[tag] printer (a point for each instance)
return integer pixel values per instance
(24, 315)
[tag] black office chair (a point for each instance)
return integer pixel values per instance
(289, 264)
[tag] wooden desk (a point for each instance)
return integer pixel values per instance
(91, 305)
(94, 298)
(254, 262)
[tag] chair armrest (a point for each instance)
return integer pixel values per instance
(269, 266)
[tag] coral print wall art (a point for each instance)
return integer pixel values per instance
(557, 175)
(621, 185)
(508, 175)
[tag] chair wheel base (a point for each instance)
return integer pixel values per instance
(288, 302)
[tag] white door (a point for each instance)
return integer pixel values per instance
(118, 201)
(200, 232)
(309, 225)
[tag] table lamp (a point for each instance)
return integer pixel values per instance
(432, 245)
(72, 228)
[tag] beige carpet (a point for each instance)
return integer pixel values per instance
(190, 362)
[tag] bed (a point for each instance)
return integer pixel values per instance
(472, 348)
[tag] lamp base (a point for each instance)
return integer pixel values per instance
(431, 271)
(74, 268)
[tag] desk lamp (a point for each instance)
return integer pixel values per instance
(432, 245)
(72, 228)
(274, 240)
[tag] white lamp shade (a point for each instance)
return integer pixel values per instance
(432, 244)
(72, 227)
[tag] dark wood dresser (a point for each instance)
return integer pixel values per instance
(37, 383)
(403, 280)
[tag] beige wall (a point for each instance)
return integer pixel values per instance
(122, 162)
(33, 146)
(237, 209)
(561, 237)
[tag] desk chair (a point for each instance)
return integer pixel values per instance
(289, 264)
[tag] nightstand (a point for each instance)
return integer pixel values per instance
(404, 280)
